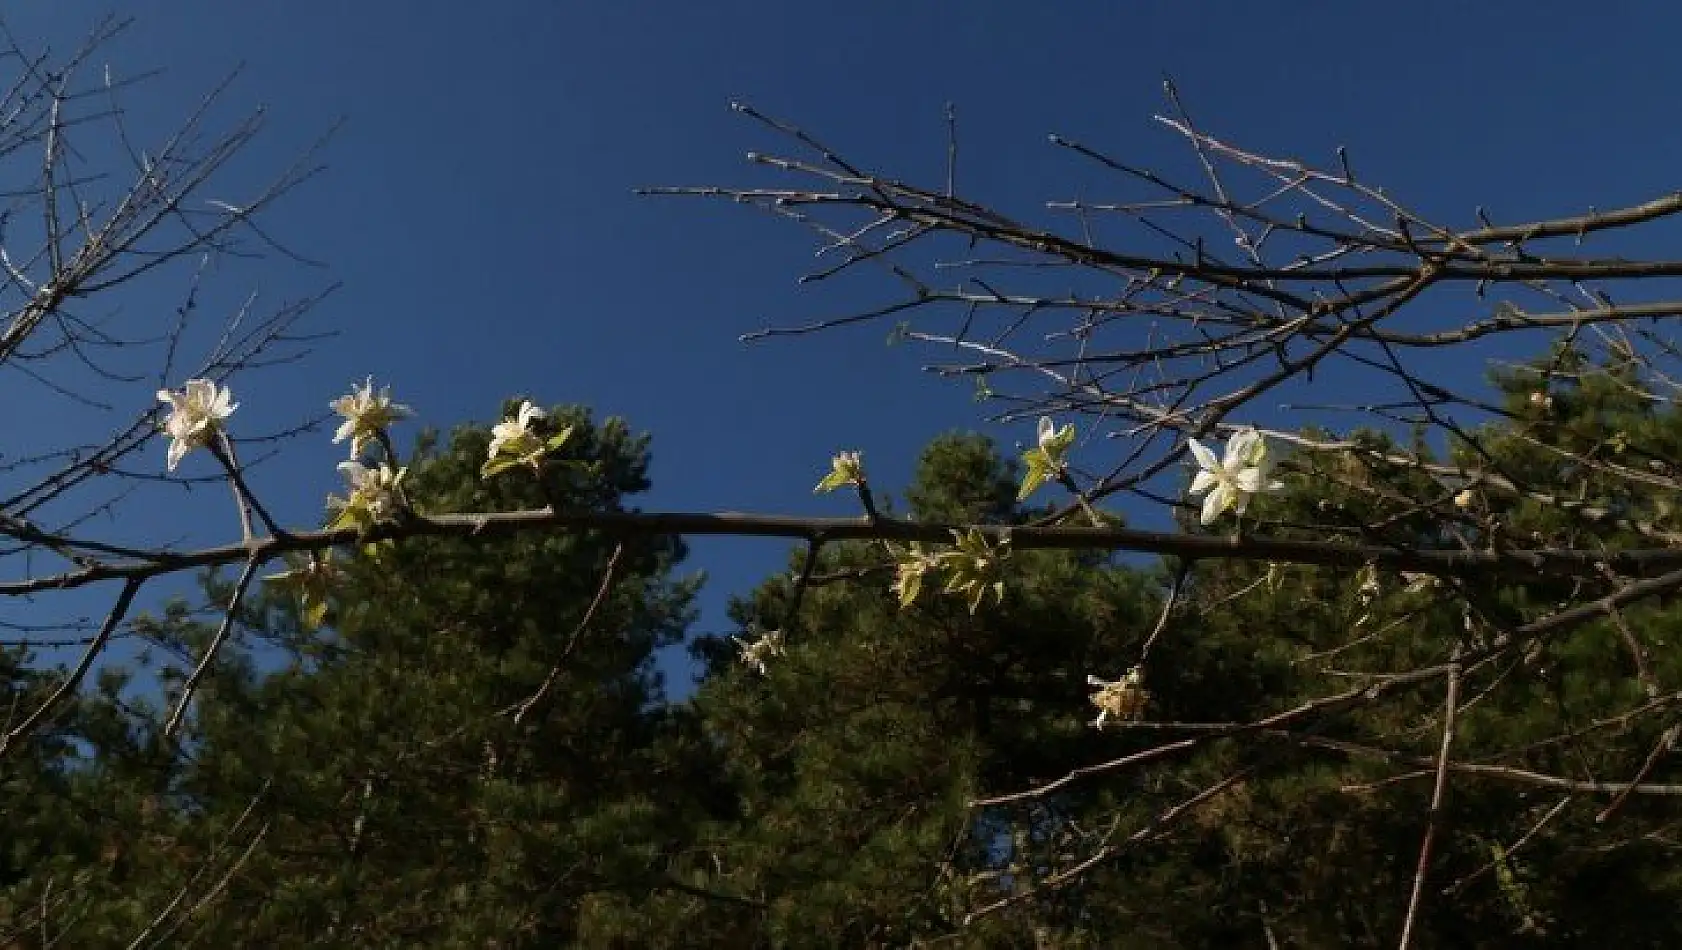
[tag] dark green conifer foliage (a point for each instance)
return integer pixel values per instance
(859, 751)
(398, 801)
(375, 790)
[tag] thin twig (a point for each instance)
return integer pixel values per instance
(179, 713)
(1439, 795)
(608, 577)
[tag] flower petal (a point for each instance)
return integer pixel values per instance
(1248, 480)
(1205, 458)
(1217, 502)
(1202, 482)
(1242, 449)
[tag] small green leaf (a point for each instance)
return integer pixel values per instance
(1040, 467)
(831, 482)
(501, 463)
(350, 518)
(1060, 443)
(908, 591)
(847, 468)
(559, 439)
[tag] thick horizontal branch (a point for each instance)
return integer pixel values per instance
(1520, 562)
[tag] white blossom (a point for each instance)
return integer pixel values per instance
(366, 414)
(375, 494)
(196, 416)
(1054, 441)
(1229, 482)
(514, 436)
(1047, 461)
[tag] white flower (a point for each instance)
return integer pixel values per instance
(375, 487)
(1124, 698)
(1465, 499)
(375, 494)
(1049, 460)
(1230, 482)
(1054, 441)
(196, 416)
(755, 653)
(514, 436)
(366, 415)
(513, 443)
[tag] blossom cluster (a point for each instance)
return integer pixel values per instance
(972, 566)
(198, 416)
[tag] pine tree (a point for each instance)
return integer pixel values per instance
(413, 775)
(859, 751)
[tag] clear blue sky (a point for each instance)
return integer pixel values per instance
(478, 205)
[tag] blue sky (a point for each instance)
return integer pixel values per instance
(478, 205)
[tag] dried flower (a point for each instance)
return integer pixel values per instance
(756, 652)
(1122, 699)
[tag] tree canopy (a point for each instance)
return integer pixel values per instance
(481, 751)
(1405, 680)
